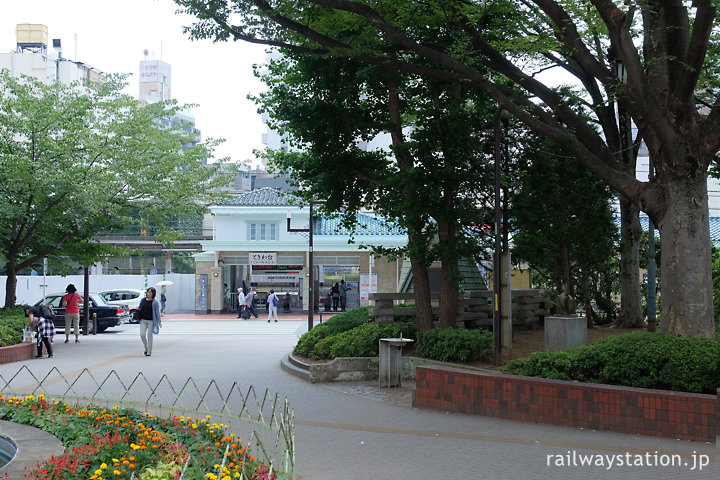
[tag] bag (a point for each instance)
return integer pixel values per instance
(27, 335)
(136, 314)
(273, 300)
(47, 312)
(245, 314)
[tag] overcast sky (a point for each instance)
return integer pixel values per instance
(112, 35)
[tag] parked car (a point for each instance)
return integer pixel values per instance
(126, 297)
(107, 315)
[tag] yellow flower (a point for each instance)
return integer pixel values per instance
(117, 472)
(103, 466)
(211, 476)
(98, 472)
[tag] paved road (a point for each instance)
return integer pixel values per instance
(357, 431)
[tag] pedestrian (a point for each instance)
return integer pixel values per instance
(342, 289)
(241, 301)
(272, 302)
(163, 299)
(335, 292)
(116, 271)
(286, 302)
(328, 302)
(150, 321)
(44, 329)
(227, 297)
(249, 303)
(153, 270)
(70, 301)
(33, 272)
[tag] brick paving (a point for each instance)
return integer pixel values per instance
(358, 431)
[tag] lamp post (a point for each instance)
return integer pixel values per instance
(497, 274)
(311, 276)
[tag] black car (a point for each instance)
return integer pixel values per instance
(107, 315)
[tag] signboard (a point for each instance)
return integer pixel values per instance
(202, 300)
(368, 285)
(262, 258)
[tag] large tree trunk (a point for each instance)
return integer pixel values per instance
(631, 297)
(687, 297)
(10, 285)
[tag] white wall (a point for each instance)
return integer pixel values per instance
(180, 295)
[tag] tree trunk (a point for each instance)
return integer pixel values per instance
(631, 298)
(686, 291)
(10, 285)
(421, 289)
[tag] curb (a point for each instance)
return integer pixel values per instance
(33, 445)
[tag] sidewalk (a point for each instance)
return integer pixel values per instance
(358, 431)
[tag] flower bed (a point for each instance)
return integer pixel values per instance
(119, 443)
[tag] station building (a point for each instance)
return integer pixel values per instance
(252, 247)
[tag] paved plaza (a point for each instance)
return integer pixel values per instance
(358, 431)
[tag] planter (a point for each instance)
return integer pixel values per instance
(17, 353)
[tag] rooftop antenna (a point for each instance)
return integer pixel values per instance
(146, 53)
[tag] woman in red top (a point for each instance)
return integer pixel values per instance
(72, 311)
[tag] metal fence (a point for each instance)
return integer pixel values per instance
(263, 420)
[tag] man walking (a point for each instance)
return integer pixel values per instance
(249, 304)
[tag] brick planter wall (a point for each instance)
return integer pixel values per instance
(592, 406)
(16, 353)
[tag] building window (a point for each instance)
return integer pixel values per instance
(262, 231)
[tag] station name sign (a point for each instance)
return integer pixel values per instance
(262, 258)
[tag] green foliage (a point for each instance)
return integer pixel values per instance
(76, 159)
(12, 321)
(455, 344)
(361, 341)
(337, 324)
(716, 287)
(638, 359)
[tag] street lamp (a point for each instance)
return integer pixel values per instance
(311, 279)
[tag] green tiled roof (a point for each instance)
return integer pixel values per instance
(365, 225)
(264, 197)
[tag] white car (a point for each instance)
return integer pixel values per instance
(127, 297)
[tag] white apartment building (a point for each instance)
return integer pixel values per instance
(31, 57)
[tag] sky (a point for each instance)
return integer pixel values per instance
(112, 35)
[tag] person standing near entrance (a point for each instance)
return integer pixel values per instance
(241, 301)
(335, 293)
(343, 288)
(272, 302)
(70, 301)
(150, 321)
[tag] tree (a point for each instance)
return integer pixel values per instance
(563, 222)
(429, 179)
(76, 159)
(669, 92)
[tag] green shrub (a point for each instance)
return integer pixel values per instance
(339, 323)
(638, 359)
(361, 341)
(12, 321)
(455, 344)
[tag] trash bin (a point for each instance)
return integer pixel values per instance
(391, 360)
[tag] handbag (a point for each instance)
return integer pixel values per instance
(136, 314)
